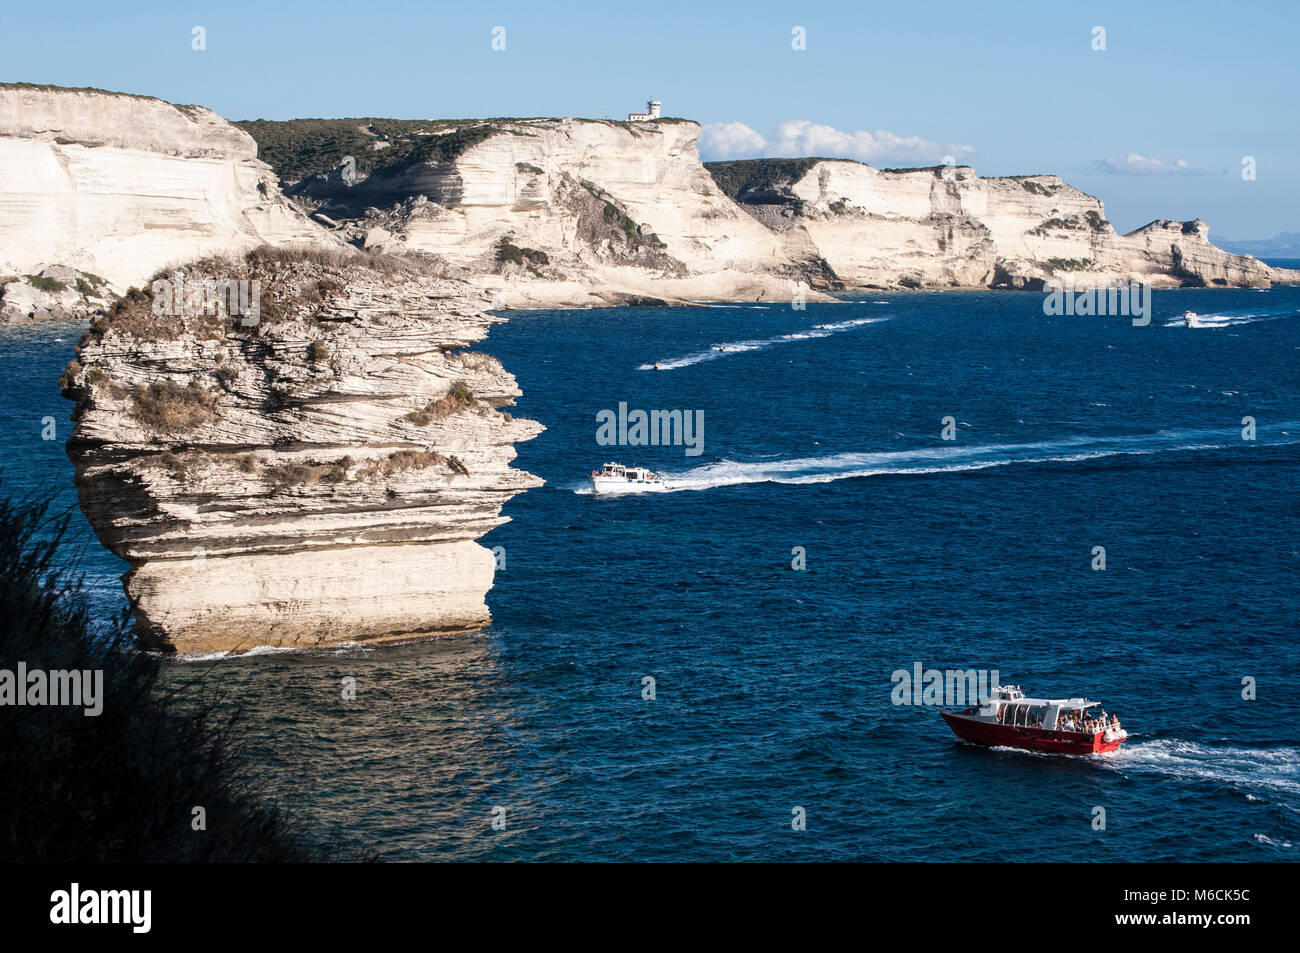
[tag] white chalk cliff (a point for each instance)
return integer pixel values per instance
(948, 227)
(621, 211)
(319, 477)
(119, 186)
(549, 211)
(626, 210)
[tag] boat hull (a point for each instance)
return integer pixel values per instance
(622, 487)
(1029, 739)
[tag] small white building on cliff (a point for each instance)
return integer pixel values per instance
(653, 107)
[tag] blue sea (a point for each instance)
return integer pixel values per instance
(823, 435)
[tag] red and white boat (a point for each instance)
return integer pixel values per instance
(1058, 725)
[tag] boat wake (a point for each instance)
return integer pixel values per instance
(951, 458)
(729, 348)
(1225, 319)
(1268, 771)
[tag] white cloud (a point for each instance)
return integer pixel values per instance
(1134, 164)
(806, 138)
(803, 137)
(730, 140)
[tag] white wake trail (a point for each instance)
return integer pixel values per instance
(729, 348)
(1267, 770)
(1226, 319)
(951, 458)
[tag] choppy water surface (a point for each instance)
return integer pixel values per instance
(822, 431)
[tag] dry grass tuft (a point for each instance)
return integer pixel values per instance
(165, 407)
(284, 476)
(455, 400)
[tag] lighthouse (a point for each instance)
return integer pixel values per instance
(652, 112)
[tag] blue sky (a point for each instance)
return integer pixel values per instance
(1156, 124)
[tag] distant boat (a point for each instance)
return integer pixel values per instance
(615, 478)
(1060, 726)
(1191, 319)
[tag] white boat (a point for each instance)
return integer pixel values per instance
(616, 478)
(1190, 318)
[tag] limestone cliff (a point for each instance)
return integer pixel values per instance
(119, 186)
(583, 211)
(313, 474)
(948, 227)
(108, 188)
(610, 212)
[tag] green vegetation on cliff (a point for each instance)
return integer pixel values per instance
(741, 178)
(299, 148)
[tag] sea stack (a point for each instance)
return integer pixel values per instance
(312, 473)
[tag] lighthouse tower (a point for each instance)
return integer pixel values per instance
(652, 112)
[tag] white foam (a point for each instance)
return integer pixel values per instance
(1226, 319)
(952, 458)
(1270, 842)
(729, 348)
(218, 656)
(1273, 771)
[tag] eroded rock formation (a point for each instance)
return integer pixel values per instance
(541, 212)
(317, 477)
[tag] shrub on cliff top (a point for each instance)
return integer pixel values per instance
(342, 258)
(133, 314)
(119, 786)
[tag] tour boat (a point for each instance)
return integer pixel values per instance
(1058, 725)
(616, 478)
(1189, 319)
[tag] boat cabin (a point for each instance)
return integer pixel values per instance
(1009, 706)
(616, 471)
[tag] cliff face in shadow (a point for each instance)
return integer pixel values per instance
(313, 473)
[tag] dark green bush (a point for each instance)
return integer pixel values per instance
(119, 786)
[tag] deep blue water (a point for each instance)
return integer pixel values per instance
(773, 685)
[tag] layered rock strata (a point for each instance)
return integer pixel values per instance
(319, 476)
